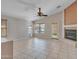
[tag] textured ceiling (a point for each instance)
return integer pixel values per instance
(27, 9)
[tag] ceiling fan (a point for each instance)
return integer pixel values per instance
(40, 13)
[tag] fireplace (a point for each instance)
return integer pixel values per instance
(71, 34)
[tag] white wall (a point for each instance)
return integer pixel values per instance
(17, 29)
(56, 18)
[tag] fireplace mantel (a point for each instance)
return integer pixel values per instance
(71, 34)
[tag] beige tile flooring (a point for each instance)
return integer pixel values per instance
(44, 49)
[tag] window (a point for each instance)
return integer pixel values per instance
(3, 27)
(42, 28)
(36, 28)
(39, 28)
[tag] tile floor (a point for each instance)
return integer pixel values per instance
(44, 49)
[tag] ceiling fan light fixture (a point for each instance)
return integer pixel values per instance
(40, 13)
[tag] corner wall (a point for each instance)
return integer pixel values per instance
(17, 29)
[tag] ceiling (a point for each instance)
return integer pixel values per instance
(27, 9)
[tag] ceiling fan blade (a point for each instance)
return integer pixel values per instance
(44, 15)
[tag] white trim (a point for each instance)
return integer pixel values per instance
(73, 25)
